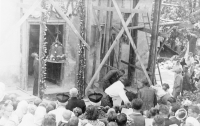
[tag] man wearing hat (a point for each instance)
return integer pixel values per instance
(62, 99)
(117, 91)
(74, 101)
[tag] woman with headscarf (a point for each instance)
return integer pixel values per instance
(18, 114)
(39, 116)
(28, 117)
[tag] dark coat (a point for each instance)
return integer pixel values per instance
(138, 119)
(74, 102)
(147, 94)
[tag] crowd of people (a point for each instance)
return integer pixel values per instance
(113, 106)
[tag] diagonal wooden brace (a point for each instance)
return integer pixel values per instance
(58, 9)
(131, 40)
(108, 53)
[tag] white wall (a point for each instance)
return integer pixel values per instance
(9, 43)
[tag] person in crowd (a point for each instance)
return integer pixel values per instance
(95, 100)
(36, 73)
(62, 99)
(74, 121)
(92, 114)
(49, 120)
(111, 77)
(164, 111)
(178, 82)
(17, 115)
(53, 104)
(37, 101)
(177, 67)
(49, 108)
(148, 96)
(67, 114)
(39, 116)
(190, 59)
(74, 101)
(158, 121)
(121, 119)
(161, 91)
(7, 111)
(173, 110)
(77, 111)
(193, 113)
(28, 117)
(186, 80)
(117, 92)
(44, 104)
(136, 116)
(152, 113)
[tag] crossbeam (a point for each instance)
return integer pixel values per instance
(134, 66)
(58, 9)
(131, 40)
(121, 9)
(108, 53)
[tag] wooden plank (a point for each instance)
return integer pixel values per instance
(131, 40)
(167, 4)
(96, 19)
(136, 27)
(58, 9)
(108, 53)
(170, 23)
(165, 35)
(123, 10)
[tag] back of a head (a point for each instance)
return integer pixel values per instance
(73, 92)
(145, 82)
(164, 109)
(175, 107)
(121, 119)
(37, 101)
(154, 112)
(67, 115)
(73, 121)
(22, 106)
(137, 104)
(112, 124)
(159, 121)
(77, 111)
(32, 108)
(112, 116)
(126, 82)
(49, 108)
(49, 120)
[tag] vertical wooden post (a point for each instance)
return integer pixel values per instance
(107, 34)
(154, 38)
(22, 84)
(132, 54)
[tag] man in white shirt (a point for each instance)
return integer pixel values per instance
(193, 113)
(117, 93)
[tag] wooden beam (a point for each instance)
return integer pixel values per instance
(167, 4)
(170, 23)
(108, 53)
(136, 27)
(117, 30)
(154, 38)
(131, 40)
(96, 19)
(165, 35)
(58, 9)
(123, 10)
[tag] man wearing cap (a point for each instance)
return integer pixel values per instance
(117, 92)
(62, 99)
(74, 101)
